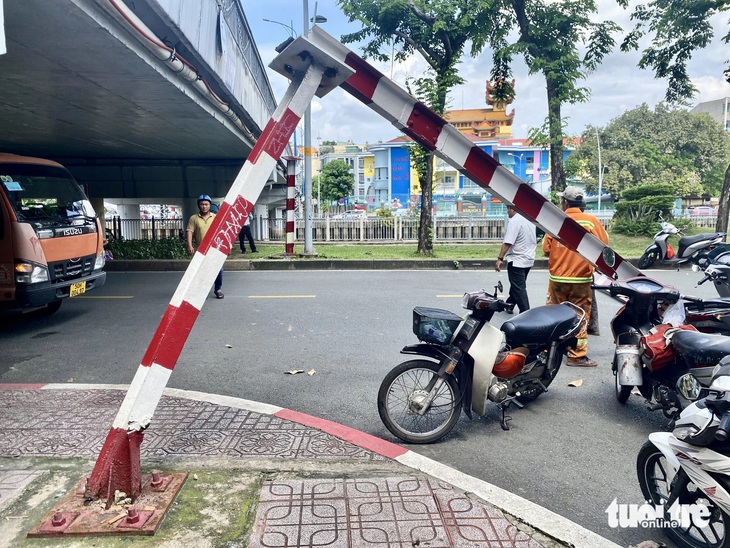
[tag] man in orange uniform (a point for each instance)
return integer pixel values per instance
(570, 274)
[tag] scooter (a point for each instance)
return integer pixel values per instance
(650, 307)
(685, 474)
(691, 248)
(466, 362)
(717, 271)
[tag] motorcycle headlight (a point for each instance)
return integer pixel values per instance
(29, 273)
(683, 432)
(100, 261)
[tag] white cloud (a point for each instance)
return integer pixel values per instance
(618, 84)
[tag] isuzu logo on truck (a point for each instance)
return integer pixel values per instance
(71, 231)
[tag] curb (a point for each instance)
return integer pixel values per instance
(539, 518)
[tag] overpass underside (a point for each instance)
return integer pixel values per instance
(84, 84)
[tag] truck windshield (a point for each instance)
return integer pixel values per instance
(45, 196)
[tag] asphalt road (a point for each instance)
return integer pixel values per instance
(572, 450)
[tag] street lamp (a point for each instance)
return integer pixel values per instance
(289, 28)
(600, 170)
(520, 158)
(308, 247)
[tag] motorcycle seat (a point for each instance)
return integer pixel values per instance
(540, 325)
(686, 241)
(701, 348)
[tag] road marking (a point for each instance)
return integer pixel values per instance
(459, 296)
(105, 297)
(282, 296)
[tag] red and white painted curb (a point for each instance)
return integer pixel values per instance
(541, 519)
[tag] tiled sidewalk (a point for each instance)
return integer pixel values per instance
(351, 510)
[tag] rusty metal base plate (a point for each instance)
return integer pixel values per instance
(71, 517)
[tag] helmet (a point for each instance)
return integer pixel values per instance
(203, 197)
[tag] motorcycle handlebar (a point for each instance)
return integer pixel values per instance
(722, 430)
(704, 279)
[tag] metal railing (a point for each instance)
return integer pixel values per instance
(471, 227)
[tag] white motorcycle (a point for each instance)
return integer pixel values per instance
(469, 362)
(686, 472)
(693, 249)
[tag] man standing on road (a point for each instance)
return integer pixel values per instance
(198, 226)
(246, 234)
(518, 250)
(570, 274)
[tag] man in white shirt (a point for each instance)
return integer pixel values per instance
(518, 251)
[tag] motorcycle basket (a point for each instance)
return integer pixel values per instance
(434, 325)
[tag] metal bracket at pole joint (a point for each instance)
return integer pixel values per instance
(296, 58)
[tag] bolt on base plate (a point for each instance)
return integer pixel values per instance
(70, 516)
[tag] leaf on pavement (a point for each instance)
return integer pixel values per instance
(311, 372)
(576, 383)
(228, 346)
(294, 371)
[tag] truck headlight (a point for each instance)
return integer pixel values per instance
(29, 273)
(100, 261)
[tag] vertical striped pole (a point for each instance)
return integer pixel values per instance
(291, 167)
(434, 133)
(118, 464)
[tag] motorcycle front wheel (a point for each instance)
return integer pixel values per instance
(647, 259)
(657, 479)
(401, 391)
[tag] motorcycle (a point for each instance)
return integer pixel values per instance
(717, 270)
(466, 362)
(685, 472)
(646, 318)
(691, 248)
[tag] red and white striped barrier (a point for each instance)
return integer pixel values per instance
(433, 132)
(291, 170)
(118, 464)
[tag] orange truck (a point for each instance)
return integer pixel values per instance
(51, 241)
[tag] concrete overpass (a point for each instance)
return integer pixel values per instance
(150, 101)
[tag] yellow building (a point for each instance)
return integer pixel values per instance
(489, 123)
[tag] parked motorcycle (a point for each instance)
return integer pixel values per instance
(466, 362)
(641, 326)
(686, 472)
(717, 270)
(690, 248)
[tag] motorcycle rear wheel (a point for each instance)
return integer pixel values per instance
(657, 480)
(623, 392)
(407, 382)
(647, 259)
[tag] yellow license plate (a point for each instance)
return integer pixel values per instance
(77, 289)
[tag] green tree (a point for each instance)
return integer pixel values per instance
(549, 35)
(438, 31)
(336, 181)
(666, 145)
(678, 28)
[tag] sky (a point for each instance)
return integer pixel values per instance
(617, 86)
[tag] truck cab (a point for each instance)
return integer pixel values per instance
(51, 241)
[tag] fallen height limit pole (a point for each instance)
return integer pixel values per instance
(118, 464)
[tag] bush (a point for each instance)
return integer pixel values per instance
(642, 191)
(637, 220)
(170, 248)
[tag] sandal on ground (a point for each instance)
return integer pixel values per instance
(218, 294)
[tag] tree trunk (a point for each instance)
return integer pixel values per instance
(425, 226)
(723, 209)
(555, 125)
